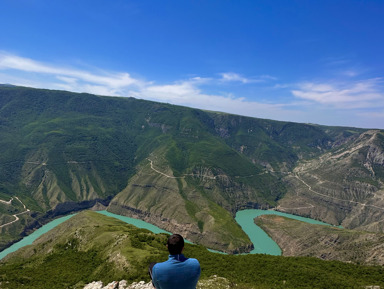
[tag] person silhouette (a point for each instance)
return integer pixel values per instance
(178, 271)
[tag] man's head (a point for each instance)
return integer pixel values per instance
(175, 244)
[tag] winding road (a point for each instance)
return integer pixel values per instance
(198, 175)
(15, 215)
(334, 198)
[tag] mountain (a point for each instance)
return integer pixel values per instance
(183, 169)
(343, 186)
(91, 247)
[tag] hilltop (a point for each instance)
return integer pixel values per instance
(91, 247)
(182, 169)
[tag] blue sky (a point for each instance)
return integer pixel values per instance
(304, 61)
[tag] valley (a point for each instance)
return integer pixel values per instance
(182, 169)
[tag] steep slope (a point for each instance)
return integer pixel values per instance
(297, 238)
(61, 148)
(343, 186)
(91, 246)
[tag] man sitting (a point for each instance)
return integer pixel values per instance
(177, 272)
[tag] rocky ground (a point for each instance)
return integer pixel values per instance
(214, 282)
(119, 285)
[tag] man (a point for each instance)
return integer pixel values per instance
(177, 272)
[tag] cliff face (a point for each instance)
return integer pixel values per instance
(297, 238)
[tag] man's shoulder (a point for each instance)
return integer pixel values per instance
(170, 263)
(193, 261)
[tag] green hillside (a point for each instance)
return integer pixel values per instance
(176, 167)
(90, 247)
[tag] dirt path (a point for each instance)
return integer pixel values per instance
(182, 177)
(15, 215)
(198, 175)
(334, 198)
(161, 173)
(280, 208)
(7, 202)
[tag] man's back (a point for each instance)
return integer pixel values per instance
(176, 273)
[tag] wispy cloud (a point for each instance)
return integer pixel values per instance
(70, 77)
(189, 93)
(235, 77)
(357, 94)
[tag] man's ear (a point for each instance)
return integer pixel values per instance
(182, 250)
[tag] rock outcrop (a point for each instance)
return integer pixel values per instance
(119, 285)
(214, 282)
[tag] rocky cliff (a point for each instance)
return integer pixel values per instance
(297, 238)
(344, 186)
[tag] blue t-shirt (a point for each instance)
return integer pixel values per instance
(177, 272)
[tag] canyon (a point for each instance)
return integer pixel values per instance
(182, 169)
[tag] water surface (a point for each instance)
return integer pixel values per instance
(136, 222)
(262, 243)
(28, 240)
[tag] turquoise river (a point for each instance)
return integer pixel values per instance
(262, 242)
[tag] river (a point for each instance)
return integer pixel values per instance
(262, 242)
(32, 237)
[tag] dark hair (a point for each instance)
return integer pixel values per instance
(175, 244)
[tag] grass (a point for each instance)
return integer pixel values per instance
(90, 247)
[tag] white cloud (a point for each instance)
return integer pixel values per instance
(230, 76)
(358, 94)
(235, 77)
(188, 93)
(268, 77)
(114, 81)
